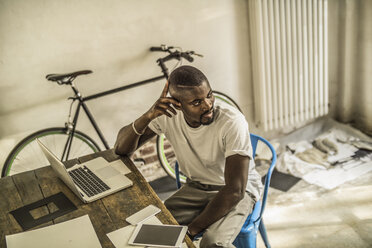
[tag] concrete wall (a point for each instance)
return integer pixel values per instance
(111, 38)
(350, 60)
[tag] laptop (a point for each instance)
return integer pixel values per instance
(91, 180)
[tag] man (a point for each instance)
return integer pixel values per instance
(212, 145)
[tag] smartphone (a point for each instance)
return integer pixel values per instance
(143, 215)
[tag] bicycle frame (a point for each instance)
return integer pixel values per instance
(82, 104)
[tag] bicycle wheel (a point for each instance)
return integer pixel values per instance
(166, 155)
(27, 155)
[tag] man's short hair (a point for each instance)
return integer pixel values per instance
(187, 76)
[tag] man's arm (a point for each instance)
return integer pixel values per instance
(236, 177)
(128, 140)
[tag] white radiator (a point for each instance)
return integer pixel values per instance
(289, 59)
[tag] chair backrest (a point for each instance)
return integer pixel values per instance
(254, 142)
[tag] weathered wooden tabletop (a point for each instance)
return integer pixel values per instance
(107, 214)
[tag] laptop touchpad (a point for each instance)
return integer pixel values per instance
(107, 172)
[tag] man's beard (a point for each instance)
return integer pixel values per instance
(209, 120)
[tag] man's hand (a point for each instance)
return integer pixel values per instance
(128, 140)
(163, 105)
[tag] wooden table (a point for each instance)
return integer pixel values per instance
(107, 214)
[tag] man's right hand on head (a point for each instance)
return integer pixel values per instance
(163, 105)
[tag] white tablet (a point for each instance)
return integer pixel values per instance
(158, 235)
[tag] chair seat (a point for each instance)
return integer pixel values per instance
(248, 233)
(249, 222)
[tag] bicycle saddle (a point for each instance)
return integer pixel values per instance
(66, 77)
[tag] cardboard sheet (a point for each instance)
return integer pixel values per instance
(330, 179)
(75, 233)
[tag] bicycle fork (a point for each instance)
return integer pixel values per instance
(70, 127)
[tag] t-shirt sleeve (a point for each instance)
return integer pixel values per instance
(156, 127)
(237, 138)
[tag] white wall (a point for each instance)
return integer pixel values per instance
(112, 38)
(350, 60)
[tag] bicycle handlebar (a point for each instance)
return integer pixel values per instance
(187, 57)
(162, 48)
(176, 54)
(156, 49)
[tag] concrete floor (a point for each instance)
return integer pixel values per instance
(309, 216)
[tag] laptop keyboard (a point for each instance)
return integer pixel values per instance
(87, 181)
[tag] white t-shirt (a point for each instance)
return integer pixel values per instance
(201, 152)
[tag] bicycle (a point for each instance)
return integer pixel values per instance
(68, 142)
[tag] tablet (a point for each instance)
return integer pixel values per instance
(158, 235)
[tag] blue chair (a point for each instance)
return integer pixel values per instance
(254, 222)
